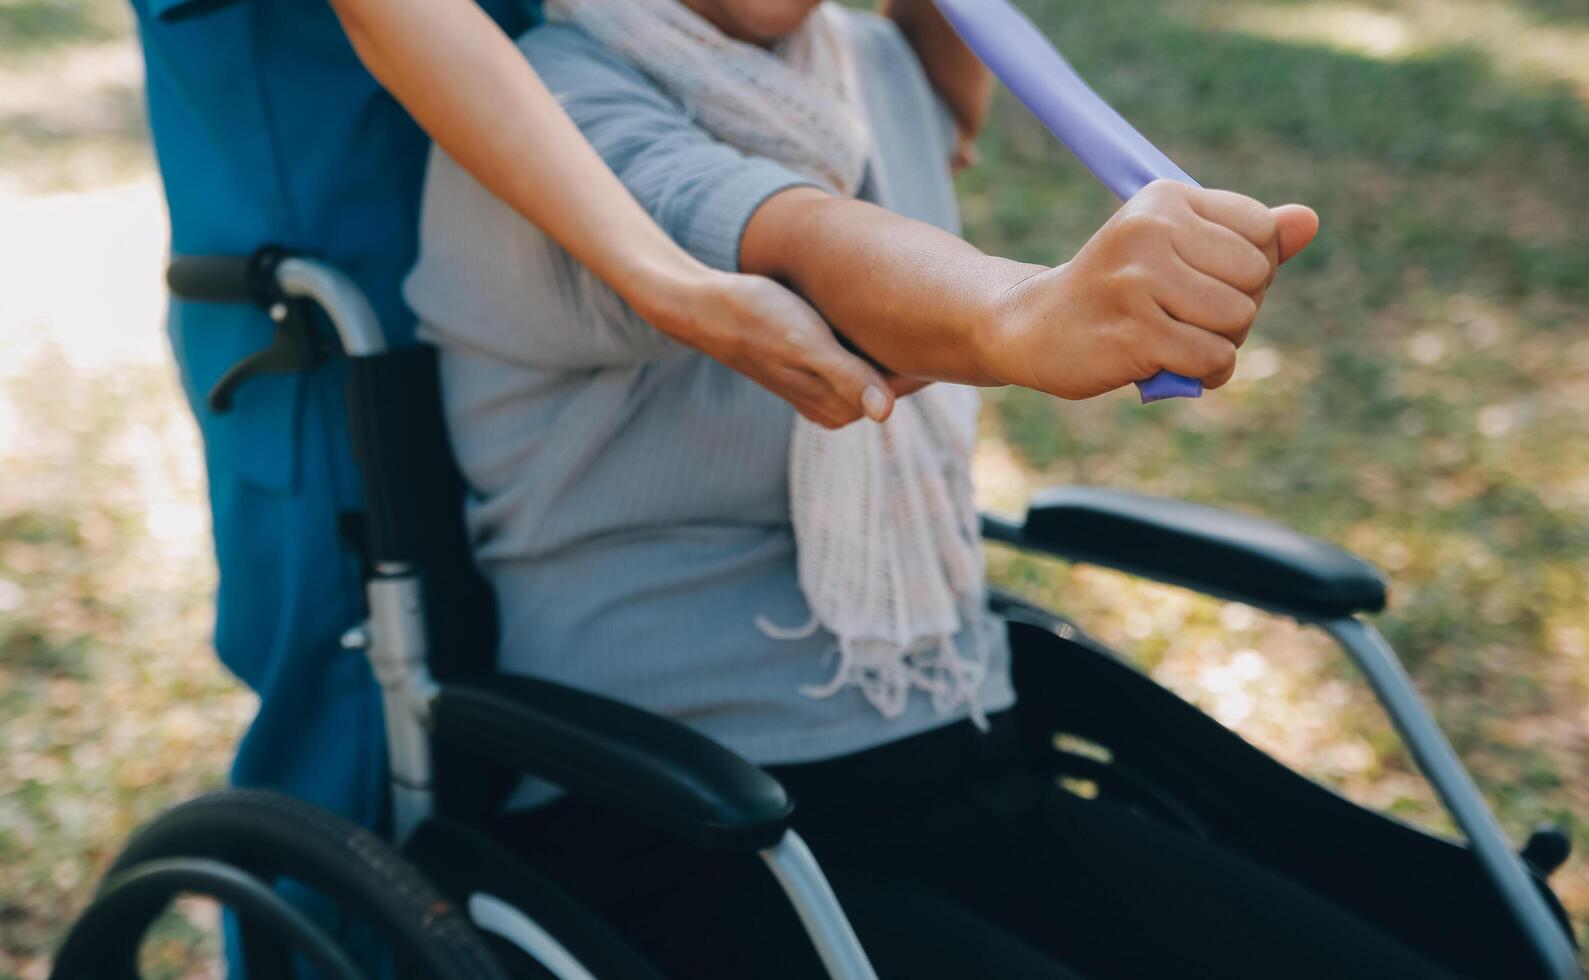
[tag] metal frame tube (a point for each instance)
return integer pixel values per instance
(1444, 770)
(493, 915)
(344, 302)
(394, 637)
(399, 656)
(796, 869)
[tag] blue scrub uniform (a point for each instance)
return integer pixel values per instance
(269, 130)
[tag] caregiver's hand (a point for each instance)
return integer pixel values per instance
(1172, 282)
(467, 84)
(762, 330)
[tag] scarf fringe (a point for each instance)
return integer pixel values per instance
(886, 674)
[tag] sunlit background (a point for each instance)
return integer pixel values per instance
(1418, 392)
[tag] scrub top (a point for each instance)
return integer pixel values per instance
(268, 130)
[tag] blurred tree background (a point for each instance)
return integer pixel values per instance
(1417, 392)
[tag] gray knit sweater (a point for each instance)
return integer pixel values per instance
(630, 499)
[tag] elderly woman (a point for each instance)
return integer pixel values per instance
(661, 530)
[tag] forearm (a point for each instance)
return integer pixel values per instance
(915, 298)
(468, 86)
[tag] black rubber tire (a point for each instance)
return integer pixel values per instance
(271, 836)
(105, 942)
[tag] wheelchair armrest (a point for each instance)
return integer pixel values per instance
(641, 764)
(1213, 551)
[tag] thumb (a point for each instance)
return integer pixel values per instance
(857, 383)
(1296, 225)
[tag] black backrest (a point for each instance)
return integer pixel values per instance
(414, 498)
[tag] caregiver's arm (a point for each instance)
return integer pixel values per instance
(1172, 282)
(468, 86)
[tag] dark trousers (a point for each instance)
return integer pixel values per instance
(952, 861)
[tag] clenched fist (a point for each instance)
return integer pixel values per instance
(1172, 282)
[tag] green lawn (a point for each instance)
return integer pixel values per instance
(1415, 392)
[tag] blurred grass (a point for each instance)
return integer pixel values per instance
(1416, 392)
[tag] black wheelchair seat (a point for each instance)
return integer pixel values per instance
(1089, 715)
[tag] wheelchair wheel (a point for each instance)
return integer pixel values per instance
(265, 837)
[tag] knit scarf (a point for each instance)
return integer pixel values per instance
(886, 531)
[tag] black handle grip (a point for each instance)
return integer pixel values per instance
(212, 278)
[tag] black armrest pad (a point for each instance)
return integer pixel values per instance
(641, 764)
(1204, 548)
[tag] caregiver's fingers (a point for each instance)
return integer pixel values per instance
(812, 398)
(1296, 225)
(853, 382)
(781, 342)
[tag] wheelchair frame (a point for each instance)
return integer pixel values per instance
(394, 640)
(1215, 552)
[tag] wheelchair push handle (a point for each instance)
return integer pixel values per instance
(272, 278)
(284, 286)
(212, 278)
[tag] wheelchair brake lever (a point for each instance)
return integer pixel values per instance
(294, 348)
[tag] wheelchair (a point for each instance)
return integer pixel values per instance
(453, 903)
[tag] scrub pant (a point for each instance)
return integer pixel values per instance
(288, 591)
(953, 861)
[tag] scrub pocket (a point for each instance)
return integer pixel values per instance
(254, 440)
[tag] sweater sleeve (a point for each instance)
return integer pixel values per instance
(490, 281)
(700, 191)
